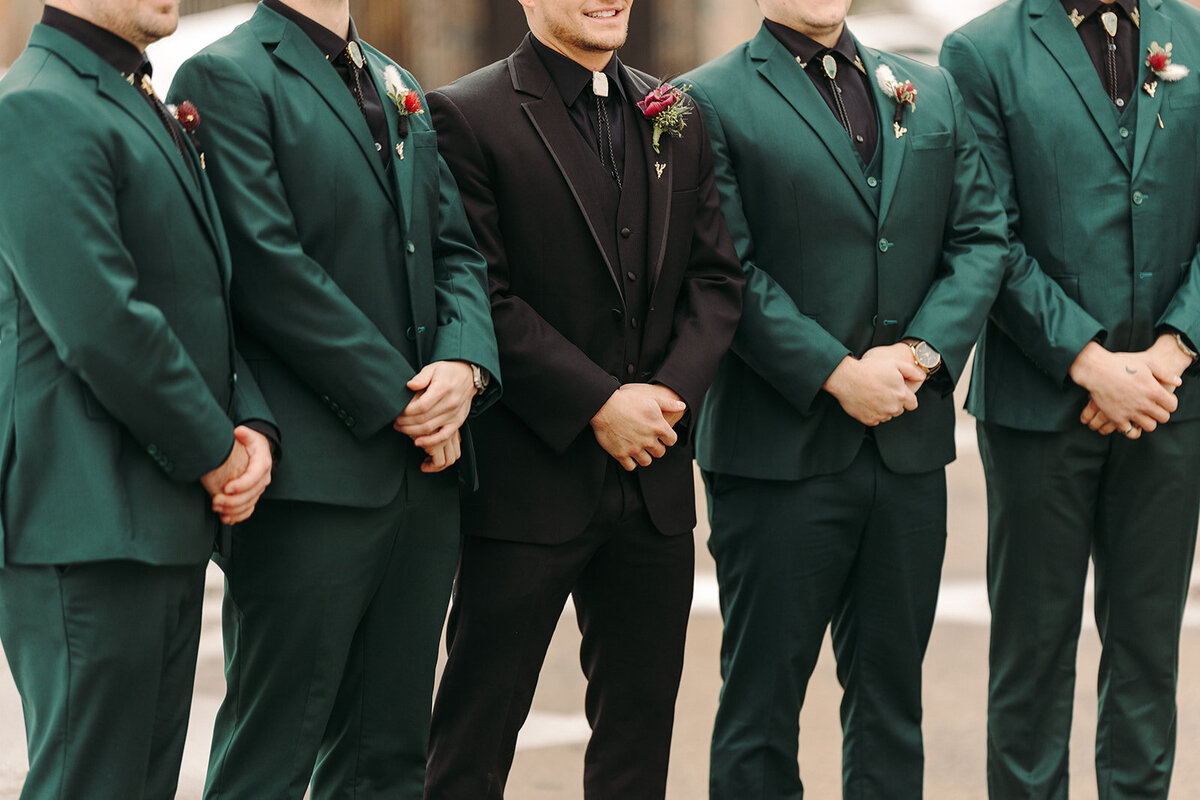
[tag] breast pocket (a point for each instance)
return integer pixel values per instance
(937, 140)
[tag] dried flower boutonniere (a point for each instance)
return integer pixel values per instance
(1158, 59)
(408, 101)
(189, 119)
(903, 92)
(666, 108)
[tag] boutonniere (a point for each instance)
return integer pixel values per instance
(903, 92)
(1158, 59)
(189, 119)
(408, 102)
(665, 107)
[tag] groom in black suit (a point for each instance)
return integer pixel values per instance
(615, 289)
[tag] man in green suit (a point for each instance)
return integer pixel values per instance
(118, 402)
(873, 244)
(1089, 120)
(364, 310)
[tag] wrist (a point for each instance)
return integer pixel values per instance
(1083, 367)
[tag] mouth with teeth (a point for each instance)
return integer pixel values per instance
(606, 14)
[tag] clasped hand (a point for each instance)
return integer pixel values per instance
(432, 419)
(1130, 392)
(878, 387)
(636, 424)
(237, 484)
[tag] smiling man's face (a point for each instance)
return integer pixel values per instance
(586, 31)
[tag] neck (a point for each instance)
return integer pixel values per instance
(137, 39)
(826, 36)
(594, 60)
(332, 14)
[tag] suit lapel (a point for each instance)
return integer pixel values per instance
(1053, 28)
(403, 169)
(779, 69)
(110, 84)
(894, 147)
(661, 183)
(546, 111)
(298, 51)
(1156, 27)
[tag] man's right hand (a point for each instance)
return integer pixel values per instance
(632, 425)
(442, 456)
(1125, 391)
(880, 386)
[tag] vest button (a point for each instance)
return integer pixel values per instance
(625, 232)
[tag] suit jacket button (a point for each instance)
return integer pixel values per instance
(411, 333)
(349, 422)
(626, 233)
(410, 247)
(872, 182)
(885, 245)
(629, 369)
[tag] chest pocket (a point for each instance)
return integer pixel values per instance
(938, 140)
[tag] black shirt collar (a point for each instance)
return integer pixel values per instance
(806, 49)
(570, 77)
(329, 43)
(1088, 7)
(122, 55)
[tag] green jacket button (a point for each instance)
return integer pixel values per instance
(349, 422)
(1138, 198)
(885, 245)
(1124, 133)
(410, 247)
(872, 182)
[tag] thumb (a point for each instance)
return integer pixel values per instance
(244, 435)
(911, 372)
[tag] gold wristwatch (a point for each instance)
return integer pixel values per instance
(928, 359)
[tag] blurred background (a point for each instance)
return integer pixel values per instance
(440, 40)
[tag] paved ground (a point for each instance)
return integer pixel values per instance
(549, 764)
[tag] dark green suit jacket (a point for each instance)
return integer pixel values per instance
(838, 262)
(348, 277)
(1103, 214)
(117, 367)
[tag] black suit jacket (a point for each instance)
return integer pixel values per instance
(556, 301)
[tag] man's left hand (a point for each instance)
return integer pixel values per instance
(444, 390)
(238, 498)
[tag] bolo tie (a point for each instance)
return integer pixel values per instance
(829, 66)
(604, 128)
(1108, 21)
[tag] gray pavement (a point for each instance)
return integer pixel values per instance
(550, 758)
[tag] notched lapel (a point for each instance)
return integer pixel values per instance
(779, 69)
(660, 172)
(110, 84)
(1055, 31)
(297, 51)
(1155, 27)
(894, 147)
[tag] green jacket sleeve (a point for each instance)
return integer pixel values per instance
(319, 333)
(61, 239)
(1031, 309)
(973, 255)
(790, 350)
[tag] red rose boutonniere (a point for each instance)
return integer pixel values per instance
(408, 101)
(189, 119)
(666, 108)
(903, 92)
(1158, 59)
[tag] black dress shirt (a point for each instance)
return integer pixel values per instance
(851, 83)
(574, 84)
(1096, 40)
(333, 46)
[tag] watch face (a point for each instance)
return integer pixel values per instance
(927, 357)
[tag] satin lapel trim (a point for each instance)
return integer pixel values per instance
(297, 51)
(1056, 33)
(1156, 27)
(894, 148)
(569, 151)
(117, 89)
(661, 185)
(403, 169)
(782, 72)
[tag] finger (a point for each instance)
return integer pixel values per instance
(1158, 413)
(628, 464)
(1133, 433)
(426, 428)
(910, 402)
(438, 438)
(669, 437)
(643, 458)
(421, 380)
(1107, 429)
(1089, 413)
(657, 450)
(256, 476)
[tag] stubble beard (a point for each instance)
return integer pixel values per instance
(580, 40)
